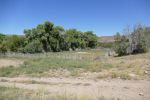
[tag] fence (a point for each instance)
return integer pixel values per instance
(66, 56)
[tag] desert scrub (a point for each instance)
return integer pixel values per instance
(41, 65)
(38, 66)
(12, 93)
(125, 76)
(121, 75)
(8, 71)
(102, 76)
(114, 74)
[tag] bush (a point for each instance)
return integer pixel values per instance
(136, 42)
(121, 45)
(34, 47)
(120, 48)
(106, 45)
(3, 47)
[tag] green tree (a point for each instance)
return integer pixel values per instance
(138, 39)
(2, 36)
(120, 45)
(33, 47)
(135, 42)
(73, 38)
(14, 42)
(55, 38)
(117, 37)
(3, 47)
(91, 39)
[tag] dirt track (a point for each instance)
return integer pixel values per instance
(116, 88)
(9, 62)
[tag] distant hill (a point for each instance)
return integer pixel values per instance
(106, 39)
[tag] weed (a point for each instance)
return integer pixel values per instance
(114, 75)
(125, 76)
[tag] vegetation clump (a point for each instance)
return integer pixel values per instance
(47, 38)
(136, 41)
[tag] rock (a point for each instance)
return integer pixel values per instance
(118, 99)
(141, 94)
(132, 75)
(147, 69)
(126, 87)
(145, 72)
(118, 77)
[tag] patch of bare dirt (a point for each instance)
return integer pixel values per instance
(10, 62)
(113, 88)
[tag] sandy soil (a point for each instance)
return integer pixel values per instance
(114, 88)
(10, 62)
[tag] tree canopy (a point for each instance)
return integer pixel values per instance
(48, 38)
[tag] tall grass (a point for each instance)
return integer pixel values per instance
(71, 61)
(78, 62)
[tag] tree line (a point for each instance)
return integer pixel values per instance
(47, 38)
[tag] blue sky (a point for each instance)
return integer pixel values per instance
(103, 17)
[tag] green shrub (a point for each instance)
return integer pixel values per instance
(106, 45)
(120, 48)
(34, 47)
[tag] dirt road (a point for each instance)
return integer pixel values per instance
(114, 88)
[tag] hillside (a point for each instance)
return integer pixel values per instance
(106, 39)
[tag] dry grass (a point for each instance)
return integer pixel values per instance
(12, 93)
(75, 64)
(88, 64)
(10, 62)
